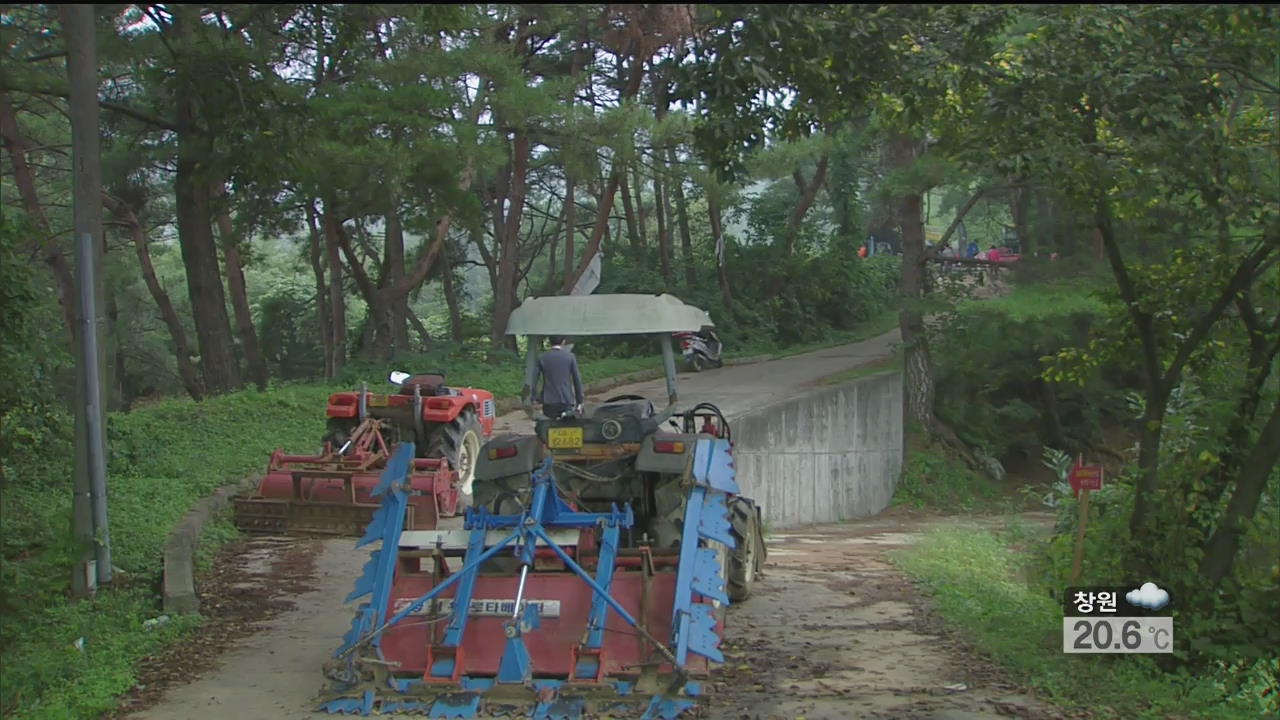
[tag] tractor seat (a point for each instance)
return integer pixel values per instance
(428, 385)
(624, 408)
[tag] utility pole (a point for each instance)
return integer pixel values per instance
(89, 507)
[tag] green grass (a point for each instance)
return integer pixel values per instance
(891, 363)
(1040, 301)
(973, 578)
(875, 326)
(879, 324)
(935, 479)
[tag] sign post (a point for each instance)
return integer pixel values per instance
(1083, 479)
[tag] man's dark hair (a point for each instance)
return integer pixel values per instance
(557, 339)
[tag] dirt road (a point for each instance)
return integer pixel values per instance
(828, 631)
(834, 631)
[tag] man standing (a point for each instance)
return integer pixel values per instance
(561, 380)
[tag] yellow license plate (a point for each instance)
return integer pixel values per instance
(566, 437)
(377, 401)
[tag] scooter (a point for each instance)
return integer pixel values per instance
(701, 349)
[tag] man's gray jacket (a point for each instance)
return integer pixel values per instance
(561, 380)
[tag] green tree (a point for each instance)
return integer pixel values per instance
(1157, 122)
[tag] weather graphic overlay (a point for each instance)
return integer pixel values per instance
(1117, 620)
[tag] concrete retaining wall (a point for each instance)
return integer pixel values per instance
(831, 454)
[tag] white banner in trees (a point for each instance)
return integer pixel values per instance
(590, 279)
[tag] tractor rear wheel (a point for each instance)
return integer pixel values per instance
(670, 499)
(743, 558)
(459, 442)
(337, 431)
(501, 495)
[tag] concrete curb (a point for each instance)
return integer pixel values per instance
(180, 548)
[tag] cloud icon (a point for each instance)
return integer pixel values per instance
(1148, 596)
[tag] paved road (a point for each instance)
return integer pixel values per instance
(737, 389)
(275, 673)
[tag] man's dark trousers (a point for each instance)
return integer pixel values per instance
(555, 410)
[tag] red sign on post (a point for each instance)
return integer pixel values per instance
(1085, 477)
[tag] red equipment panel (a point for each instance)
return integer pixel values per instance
(551, 644)
(439, 496)
(435, 409)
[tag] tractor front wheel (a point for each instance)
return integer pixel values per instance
(459, 442)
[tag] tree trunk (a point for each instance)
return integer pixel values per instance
(1156, 392)
(509, 241)
(423, 336)
(450, 296)
(919, 365)
(240, 303)
(1220, 553)
(1053, 431)
(187, 371)
(808, 194)
(659, 212)
(606, 199)
(629, 214)
(15, 143)
(570, 224)
(322, 303)
(1019, 202)
(397, 306)
(337, 304)
(717, 235)
(682, 216)
(551, 281)
(1070, 241)
(642, 220)
(1258, 368)
(119, 399)
(597, 232)
(376, 335)
(195, 233)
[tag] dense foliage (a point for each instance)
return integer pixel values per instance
(297, 196)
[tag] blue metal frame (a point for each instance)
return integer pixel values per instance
(692, 623)
(699, 578)
(604, 577)
(386, 525)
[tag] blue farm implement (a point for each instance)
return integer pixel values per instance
(548, 612)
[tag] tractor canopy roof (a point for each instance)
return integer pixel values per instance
(621, 314)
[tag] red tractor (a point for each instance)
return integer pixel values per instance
(332, 493)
